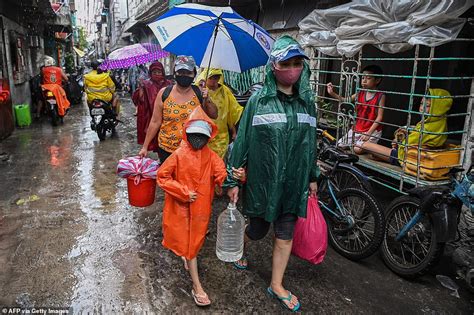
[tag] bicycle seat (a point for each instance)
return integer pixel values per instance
(424, 191)
(335, 155)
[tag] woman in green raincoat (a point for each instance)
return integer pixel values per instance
(276, 145)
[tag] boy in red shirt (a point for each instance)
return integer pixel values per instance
(369, 110)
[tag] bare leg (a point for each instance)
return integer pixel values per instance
(378, 151)
(197, 287)
(116, 105)
(185, 261)
(281, 255)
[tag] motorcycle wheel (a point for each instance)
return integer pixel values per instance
(101, 132)
(54, 118)
(419, 250)
(365, 236)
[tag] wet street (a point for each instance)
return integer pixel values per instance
(69, 238)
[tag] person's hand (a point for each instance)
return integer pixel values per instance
(239, 174)
(330, 88)
(192, 196)
(205, 92)
(233, 194)
(218, 190)
(143, 152)
(233, 134)
(364, 138)
(313, 189)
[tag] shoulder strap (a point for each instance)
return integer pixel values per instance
(168, 89)
(166, 93)
(198, 93)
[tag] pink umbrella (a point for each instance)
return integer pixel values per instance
(132, 55)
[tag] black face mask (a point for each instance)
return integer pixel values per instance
(197, 140)
(184, 80)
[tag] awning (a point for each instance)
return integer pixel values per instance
(79, 52)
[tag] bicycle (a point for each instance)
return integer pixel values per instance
(354, 218)
(419, 225)
(346, 175)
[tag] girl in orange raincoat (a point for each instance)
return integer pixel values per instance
(188, 178)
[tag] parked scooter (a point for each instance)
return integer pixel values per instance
(103, 118)
(75, 87)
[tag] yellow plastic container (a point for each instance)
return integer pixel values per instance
(434, 163)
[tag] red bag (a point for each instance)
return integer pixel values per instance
(310, 239)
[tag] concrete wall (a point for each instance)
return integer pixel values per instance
(20, 91)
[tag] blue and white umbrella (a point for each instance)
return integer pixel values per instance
(216, 37)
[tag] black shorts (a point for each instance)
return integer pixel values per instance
(283, 227)
(163, 155)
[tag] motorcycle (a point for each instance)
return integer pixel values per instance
(75, 87)
(103, 118)
(52, 107)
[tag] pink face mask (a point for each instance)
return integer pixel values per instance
(287, 77)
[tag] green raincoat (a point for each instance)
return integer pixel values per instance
(434, 126)
(276, 143)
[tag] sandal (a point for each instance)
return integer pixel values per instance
(283, 299)
(241, 266)
(200, 300)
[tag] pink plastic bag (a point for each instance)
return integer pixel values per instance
(310, 239)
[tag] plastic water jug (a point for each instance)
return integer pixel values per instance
(230, 234)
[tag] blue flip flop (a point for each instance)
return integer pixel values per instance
(240, 267)
(283, 299)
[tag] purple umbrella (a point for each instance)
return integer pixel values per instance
(132, 55)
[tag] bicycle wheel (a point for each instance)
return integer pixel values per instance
(346, 178)
(358, 234)
(419, 250)
(343, 178)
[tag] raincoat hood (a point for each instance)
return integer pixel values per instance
(157, 66)
(435, 125)
(212, 71)
(199, 114)
(439, 106)
(302, 85)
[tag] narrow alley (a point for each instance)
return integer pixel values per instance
(69, 238)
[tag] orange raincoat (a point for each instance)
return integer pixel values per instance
(60, 95)
(184, 223)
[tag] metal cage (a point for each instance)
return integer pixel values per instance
(408, 76)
